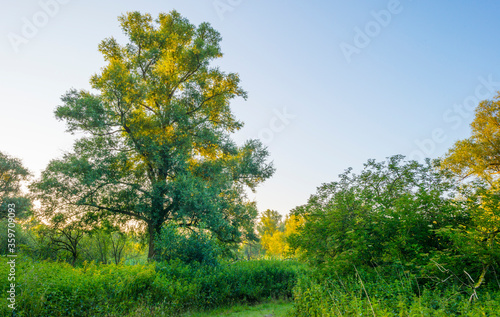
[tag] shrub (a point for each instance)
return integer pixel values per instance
(57, 289)
(189, 247)
(244, 281)
(388, 213)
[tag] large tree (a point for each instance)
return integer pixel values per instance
(156, 143)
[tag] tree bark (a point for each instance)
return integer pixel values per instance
(154, 231)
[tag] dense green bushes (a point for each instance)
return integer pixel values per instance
(245, 281)
(401, 212)
(400, 238)
(190, 246)
(388, 213)
(57, 289)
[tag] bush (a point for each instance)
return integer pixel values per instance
(245, 281)
(58, 289)
(388, 213)
(189, 247)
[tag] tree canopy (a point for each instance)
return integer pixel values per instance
(274, 232)
(479, 155)
(156, 129)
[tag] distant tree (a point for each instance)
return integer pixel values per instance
(64, 236)
(118, 242)
(269, 231)
(250, 249)
(105, 243)
(12, 175)
(292, 224)
(157, 144)
(270, 221)
(102, 241)
(274, 232)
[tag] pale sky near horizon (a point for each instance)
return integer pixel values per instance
(331, 84)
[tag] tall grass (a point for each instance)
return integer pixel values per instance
(392, 293)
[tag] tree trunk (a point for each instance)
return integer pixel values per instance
(74, 256)
(154, 225)
(153, 230)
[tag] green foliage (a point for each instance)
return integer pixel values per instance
(399, 239)
(72, 244)
(249, 250)
(65, 236)
(187, 246)
(12, 174)
(476, 244)
(388, 213)
(57, 289)
(243, 281)
(109, 244)
(22, 237)
(270, 222)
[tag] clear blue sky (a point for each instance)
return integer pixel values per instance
(331, 83)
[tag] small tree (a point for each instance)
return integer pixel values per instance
(275, 233)
(270, 229)
(64, 235)
(118, 242)
(12, 175)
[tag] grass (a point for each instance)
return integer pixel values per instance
(274, 308)
(270, 309)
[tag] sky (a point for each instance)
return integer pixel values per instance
(331, 84)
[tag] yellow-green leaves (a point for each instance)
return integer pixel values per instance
(479, 155)
(274, 233)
